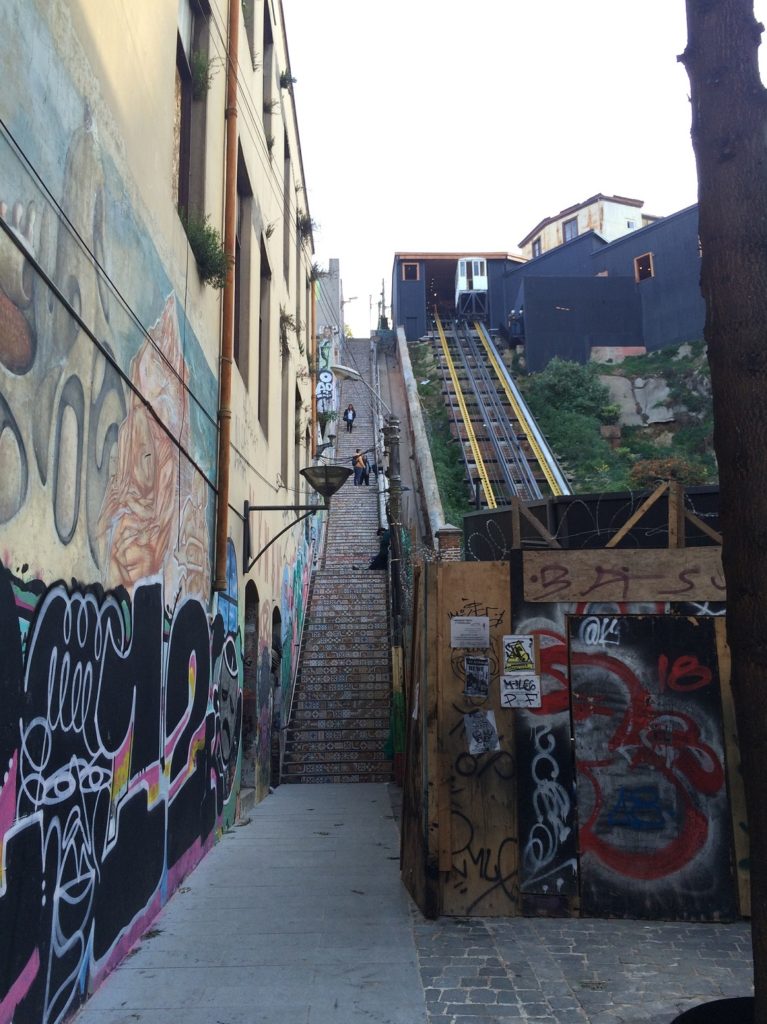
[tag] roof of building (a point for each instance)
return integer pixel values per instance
(456, 255)
(599, 197)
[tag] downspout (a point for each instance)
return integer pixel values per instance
(227, 324)
(313, 369)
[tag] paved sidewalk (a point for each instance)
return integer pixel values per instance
(546, 971)
(298, 917)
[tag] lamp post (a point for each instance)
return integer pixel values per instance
(324, 479)
(349, 373)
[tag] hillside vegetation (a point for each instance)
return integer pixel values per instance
(673, 438)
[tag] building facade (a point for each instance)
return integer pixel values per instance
(610, 216)
(138, 670)
(594, 299)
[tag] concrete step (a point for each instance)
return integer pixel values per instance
(331, 707)
(324, 751)
(331, 728)
(351, 766)
(337, 778)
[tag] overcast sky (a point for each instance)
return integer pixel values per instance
(439, 125)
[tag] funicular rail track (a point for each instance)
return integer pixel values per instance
(504, 451)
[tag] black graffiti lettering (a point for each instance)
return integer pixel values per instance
(106, 804)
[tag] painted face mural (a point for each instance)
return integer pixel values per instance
(153, 520)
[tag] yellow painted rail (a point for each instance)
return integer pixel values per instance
(472, 437)
(556, 490)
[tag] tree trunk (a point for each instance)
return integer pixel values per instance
(729, 136)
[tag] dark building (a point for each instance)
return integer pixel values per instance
(423, 282)
(639, 292)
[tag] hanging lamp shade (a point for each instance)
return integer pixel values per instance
(326, 480)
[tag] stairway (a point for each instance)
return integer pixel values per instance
(339, 725)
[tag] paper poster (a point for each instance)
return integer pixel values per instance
(518, 654)
(470, 631)
(477, 680)
(521, 690)
(481, 732)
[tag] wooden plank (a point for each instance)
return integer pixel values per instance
(484, 857)
(675, 514)
(539, 527)
(634, 519)
(734, 774)
(703, 527)
(412, 834)
(430, 706)
(683, 574)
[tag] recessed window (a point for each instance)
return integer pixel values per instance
(243, 230)
(631, 225)
(410, 272)
(570, 229)
(643, 267)
(190, 110)
(537, 247)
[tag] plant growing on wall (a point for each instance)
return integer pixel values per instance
(325, 418)
(305, 225)
(317, 272)
(287, 80)
(202, 69)
(270, 228)
(288, 325)
(208, 249)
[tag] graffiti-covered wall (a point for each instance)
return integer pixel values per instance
(121, 675)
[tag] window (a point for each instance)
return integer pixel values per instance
(190, 110)
(243, 232)
(267, 75)
(537, 248)
(631, 225)
(643, 267)
(410, 272)
(263, 342)
(248, 14)
(287, 181)
(570, 229)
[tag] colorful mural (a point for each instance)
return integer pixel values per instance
(121, 682)
(636, 821)
(120, 739)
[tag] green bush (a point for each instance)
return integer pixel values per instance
(205, 242)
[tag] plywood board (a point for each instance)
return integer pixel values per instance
(476, 752)
(653, 810)
(682, 574)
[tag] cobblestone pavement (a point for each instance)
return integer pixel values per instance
(482, 970)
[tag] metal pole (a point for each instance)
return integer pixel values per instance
(392, 435)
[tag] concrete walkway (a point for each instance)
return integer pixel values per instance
(295, 917)
(298, 917)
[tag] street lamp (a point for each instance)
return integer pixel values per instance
(324, 479)
(348, 373)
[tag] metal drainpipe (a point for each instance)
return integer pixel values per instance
(227, 324)
(314, 355)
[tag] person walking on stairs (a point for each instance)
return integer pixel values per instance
(358, 464)
(349, 417)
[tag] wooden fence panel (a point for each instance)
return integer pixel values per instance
(478, 845)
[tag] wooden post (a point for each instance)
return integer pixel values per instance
(675, 514)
